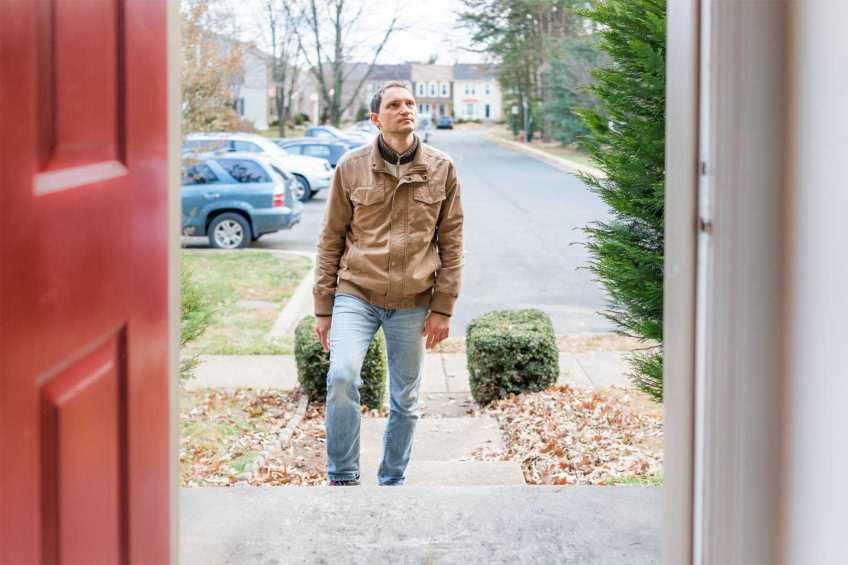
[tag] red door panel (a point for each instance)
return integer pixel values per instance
(84, 443)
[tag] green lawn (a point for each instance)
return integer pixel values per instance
(232, 278)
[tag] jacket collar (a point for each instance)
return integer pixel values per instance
(417, 167)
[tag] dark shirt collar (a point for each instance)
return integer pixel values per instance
(393, 156)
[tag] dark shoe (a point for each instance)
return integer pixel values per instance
(344, 483)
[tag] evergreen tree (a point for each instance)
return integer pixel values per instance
(572, 61)
(627, 141)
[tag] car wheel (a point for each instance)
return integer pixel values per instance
(302, 190)
(229, 231)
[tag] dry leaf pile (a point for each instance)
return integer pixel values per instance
(570, 436)
(303, 461)
(223, 430)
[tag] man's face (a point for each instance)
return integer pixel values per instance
(397, 111)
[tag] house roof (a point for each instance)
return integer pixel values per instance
(391, 72)
(474, 71)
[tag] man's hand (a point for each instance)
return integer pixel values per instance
(322, 329)
(436, 328)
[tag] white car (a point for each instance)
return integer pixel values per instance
(311, 173)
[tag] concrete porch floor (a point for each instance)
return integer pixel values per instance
(411, 525)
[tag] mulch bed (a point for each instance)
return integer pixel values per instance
(570, 436)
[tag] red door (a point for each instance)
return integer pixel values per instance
(84, 443)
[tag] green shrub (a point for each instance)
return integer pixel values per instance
(511, 351)
(313, 364)
(195, 316)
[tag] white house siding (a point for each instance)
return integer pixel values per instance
(252, 96)
(470, 98)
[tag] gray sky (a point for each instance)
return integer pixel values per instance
(430, 28)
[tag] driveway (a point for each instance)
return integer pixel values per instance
(522, 235)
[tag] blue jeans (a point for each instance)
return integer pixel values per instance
(353, 325)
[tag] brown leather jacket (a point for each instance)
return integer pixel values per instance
(396, 243)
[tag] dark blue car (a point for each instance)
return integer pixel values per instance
(235, 198)
(330, 151)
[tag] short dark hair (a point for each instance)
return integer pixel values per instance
(377, 99)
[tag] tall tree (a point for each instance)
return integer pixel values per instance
(211, 63)
(521, 35)
(333, 33)
(280, 23)
(627, 142)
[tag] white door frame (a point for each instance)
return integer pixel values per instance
(756, 307)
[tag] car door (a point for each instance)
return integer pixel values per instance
(252, 186)
(317, 150)
(200, 186)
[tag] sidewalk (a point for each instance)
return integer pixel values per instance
(444, 373)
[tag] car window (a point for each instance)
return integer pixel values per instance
(198, 173)
(316, 151)
(296, 149)
(204, 145)
(247, 147)
(244, 170)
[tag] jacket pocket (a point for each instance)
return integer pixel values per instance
(367, 195)
(428, 194)
(426, 204)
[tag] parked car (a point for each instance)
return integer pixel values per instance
(444, 122)
(311, 174)
(331, 151)
(422, 127)
(365, 128)
(235, 198)
(331, 133)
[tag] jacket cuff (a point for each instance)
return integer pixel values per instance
(323, 304)
(442, 303)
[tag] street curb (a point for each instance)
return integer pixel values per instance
(278, 443)
(299, 305)
(558, 162)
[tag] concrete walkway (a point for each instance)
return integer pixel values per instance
(443, 372)
(421, 525)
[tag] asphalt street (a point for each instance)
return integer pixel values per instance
(523, 221)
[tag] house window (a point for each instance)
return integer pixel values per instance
(488, 88)
(467, 90)
(444, 90)
(470, 110)
(421, 89)
(473, 89)
(433, 89)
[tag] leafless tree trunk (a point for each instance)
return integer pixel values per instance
(281, 23)
(327, 47)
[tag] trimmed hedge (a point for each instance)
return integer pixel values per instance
(313, 364)
(511, 351)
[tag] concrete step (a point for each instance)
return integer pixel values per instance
(449, 473)
(435, 439)
(413, 525)
(440, 449)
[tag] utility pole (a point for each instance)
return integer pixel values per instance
(526, 119)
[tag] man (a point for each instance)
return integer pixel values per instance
(390, 254)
